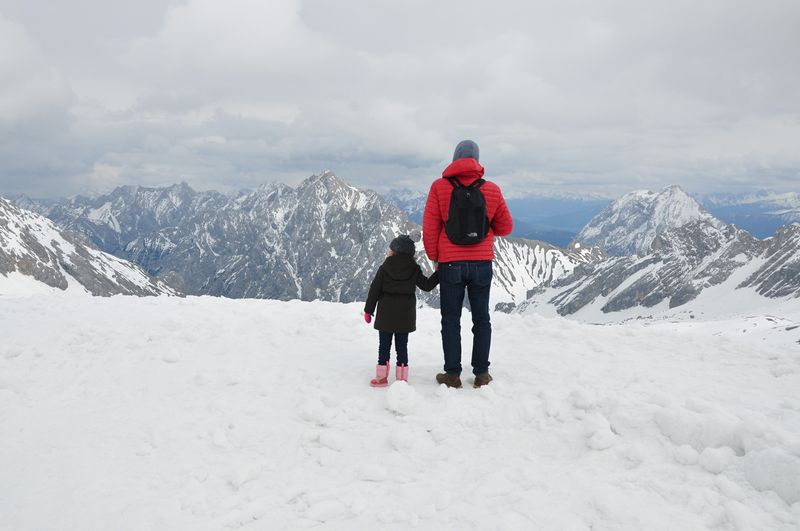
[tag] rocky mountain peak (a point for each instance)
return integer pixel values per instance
(326, 179)
(631, 223)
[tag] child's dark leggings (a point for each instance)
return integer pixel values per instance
(400, 345)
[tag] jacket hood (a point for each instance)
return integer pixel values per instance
(400, 266)
(466, 170)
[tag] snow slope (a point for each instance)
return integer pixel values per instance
(204, 413)
(522, 265)
(36, 256)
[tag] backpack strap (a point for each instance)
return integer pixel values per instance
(458, 184)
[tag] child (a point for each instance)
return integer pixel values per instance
(393, 291)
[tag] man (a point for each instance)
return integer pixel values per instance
(464, 266)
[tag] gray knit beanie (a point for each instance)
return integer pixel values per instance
(466, 149)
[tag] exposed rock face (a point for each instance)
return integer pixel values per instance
(779, 276)
(33, 246)
(682, 263)
(630, 224)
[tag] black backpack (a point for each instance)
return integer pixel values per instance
(467, 222)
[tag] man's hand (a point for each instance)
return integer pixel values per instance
(367, 317)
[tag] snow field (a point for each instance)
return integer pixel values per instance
(204, 413)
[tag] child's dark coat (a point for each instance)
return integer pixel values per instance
(393, 291)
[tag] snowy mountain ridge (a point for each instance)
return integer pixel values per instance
(761, 213)
(321, 240)
(35, 255)
(524, 265)
(630, 224)
(682, 264)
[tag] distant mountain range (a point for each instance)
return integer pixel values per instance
(674, 250)
(325, 238)
(412, 202)
(557, 219)
(322, 240)
(760, 213)
(35, 253)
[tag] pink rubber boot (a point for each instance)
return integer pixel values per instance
(401, 373)
(381, 376)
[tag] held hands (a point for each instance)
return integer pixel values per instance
(367, 317)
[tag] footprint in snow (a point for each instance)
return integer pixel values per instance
(597, 431)
(372, 472)
(172, 356)
(686, 455)
(408, 437)
(12, 352)
(332, 440)
(581, 399)
(313, 410)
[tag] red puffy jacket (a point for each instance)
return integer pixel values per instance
(437, 245)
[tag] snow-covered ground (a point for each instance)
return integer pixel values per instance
(204, 413)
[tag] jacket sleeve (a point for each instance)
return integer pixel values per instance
(432, 225)
(427, 283)
(502, 224)
(374, 292)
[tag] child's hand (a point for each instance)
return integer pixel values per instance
(367, 317)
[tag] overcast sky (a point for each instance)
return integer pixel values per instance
(587, 96)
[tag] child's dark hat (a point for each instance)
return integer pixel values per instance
(402, 245)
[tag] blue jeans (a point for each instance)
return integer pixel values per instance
(385, 347)
(474, 277)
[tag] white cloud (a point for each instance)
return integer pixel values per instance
(584, 95)
(30, 89)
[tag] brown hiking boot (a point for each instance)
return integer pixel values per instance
(450, 380)
(482, 379)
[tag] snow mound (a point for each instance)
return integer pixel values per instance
(774, 469)
(401, 398)
(715, 460)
